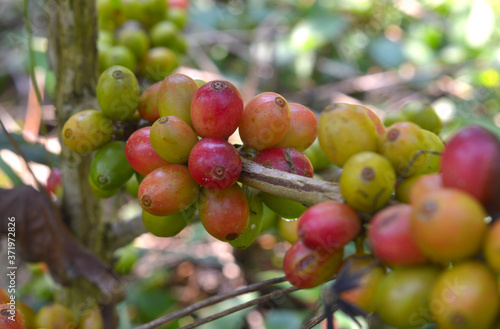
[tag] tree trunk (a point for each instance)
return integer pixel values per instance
(73, 55)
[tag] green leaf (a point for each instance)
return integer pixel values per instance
(279, 319)
(150, 303)
(317, 29)
(11, 174)
(309, 296)
(35, 152)
(418, 52)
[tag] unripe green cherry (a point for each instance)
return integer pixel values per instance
(172, 139)
(118, 93)
(174, 96)
(367, 181)
(252, 231)
(87, 131)
(170, 225)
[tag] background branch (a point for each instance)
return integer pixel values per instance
(214, 300)
(237, 308)
(119, 234)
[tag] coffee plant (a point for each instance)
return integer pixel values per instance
(381, 215)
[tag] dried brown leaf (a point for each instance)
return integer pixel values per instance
(42, 236)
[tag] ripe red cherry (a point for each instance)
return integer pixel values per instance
(471, 162)
(214, 163)
(4, 297)
(10, 318)
(328, 225)
(216, 109)
(224, 213)
(390, 238)
(425, 185)
(265, 120)
(308, 268)
(286, 159)
(141, 154)
(167, 190)
(54, 182)
(302, 131)
(147, 107)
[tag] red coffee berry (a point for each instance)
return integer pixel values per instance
(224, 213)
(308, 268)
(265, 120)
(471, 162)
(328, 225)
(290, 160)
(302, 131)
(147, 107)
(286, 159)
(54, 182)
(214, 163)
(141, 154)
(216, 109)
(390, 238)
(168, 190)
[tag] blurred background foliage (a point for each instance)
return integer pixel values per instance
(383, 54)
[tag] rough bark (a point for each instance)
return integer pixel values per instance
(35, 228)
(73, 55)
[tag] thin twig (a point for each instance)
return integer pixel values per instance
(240, 307)
(387, 79)
(210, 301)
(413, 160)
(314, 321)
(121, 233)
(314, 311)
(201, 59)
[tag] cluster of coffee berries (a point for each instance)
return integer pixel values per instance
(443, 242)
(412, 204)
(94, 130)
(144, 36)
(372, 156)
(181, 155)
(189, 163)
(433, 256)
